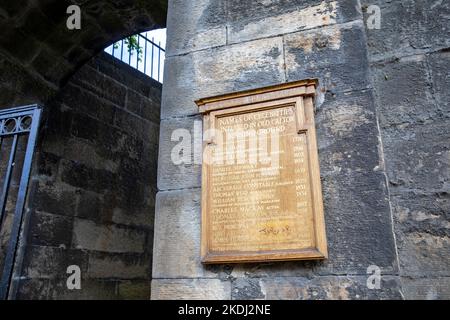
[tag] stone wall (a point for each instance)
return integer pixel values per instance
(410, 71)
(382, 118)
(93, 185)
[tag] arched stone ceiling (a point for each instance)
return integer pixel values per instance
(34, 36)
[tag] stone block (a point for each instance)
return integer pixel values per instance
(133, 102)
(91, 289)
(110, 238)
(417, 156)
(191, 289)
(56, 198)
(329, 288)
(48, 164)
(89, 205)
(246, 289)
(82, 176)
(151, 108)
(176, 133)
(134, 290)
(249, 20)
(439, 64)
(403, 93)
(426, 288)
(195, 25)
(32, 289)
(84, 127)
(422, 229)
(176, 250)
(336, 55)
(83, 152)
(402, 29)
(221, 70)
(52, 262)
(357, 204)
(104, 265)
(50, 230)
(347, 133)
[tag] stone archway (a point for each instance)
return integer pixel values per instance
(90, 200)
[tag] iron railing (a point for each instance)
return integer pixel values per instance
(149, 61)
(18, 134)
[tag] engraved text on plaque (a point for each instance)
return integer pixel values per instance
(261, 184)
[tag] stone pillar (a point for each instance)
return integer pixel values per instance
(218, 46)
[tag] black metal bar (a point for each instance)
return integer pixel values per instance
(20, 203)
(146, 52)
(7, 180)
(129, 53)
(121, 51)
(145, 56)
(137, 53)
(159, 61)
(153, 43)
(151, 59)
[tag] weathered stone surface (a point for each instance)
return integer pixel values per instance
(50, 230)
(194, 289)
(196, 25)
(216, 71)
(403, 91)
(426, 168)
(426, 288)
(180, 169)
(412, 98)
(336, 55)
(423, 232)
(55, 198)
(176, 250)
(91, 289)
(249, 21)
(439, 68)
(246, 288)
(118, 266)
(111, 238)
(51, 262)
(335, 288)
(134, 290)
(354, 187)
(32, 289)
(407, 27)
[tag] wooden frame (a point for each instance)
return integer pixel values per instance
(296, 96)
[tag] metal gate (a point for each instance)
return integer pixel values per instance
(18, 132)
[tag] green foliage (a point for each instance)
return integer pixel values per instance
(132, 43)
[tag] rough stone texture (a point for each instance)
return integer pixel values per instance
(214, 71)
(426, 288)
(248, 20)
(329, 287)
(408, 27)
(196, 25)
(186, 132)
(336, 55)
(177, 238)
(190, 289)
(381, 115)
(34, 32)
(410, 74)
(382, 121)
(93, 195)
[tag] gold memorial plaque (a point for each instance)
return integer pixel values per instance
(261, 191)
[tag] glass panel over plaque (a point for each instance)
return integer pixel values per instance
(261, 194)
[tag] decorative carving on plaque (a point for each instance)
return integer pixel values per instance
(261, 191)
